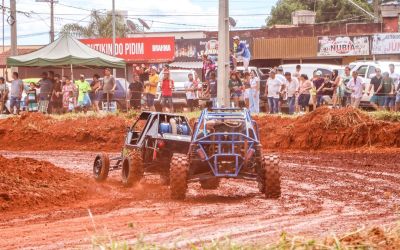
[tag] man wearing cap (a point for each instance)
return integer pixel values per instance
(242, 51)
(151, 88)
(83, 93)
(318, 83)
(167, 86)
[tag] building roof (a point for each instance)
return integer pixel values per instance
(395, 3)
(7, 53)
(64, 51)
(303, 12)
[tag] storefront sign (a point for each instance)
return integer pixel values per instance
(193, 49)
(146, 49)
(343, 46)
(387, 43)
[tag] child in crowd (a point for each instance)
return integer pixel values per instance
(71, 102)
(31, 98)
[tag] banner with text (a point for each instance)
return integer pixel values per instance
(146, 49)
(343, 46)
(386, 43)
(193, 49)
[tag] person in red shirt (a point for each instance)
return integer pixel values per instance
(167, 86)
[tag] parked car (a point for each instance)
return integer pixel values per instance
(310, 68)
(366, 70)
(120, 95)
(179, 76)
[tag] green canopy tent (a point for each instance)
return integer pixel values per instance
(66, 51)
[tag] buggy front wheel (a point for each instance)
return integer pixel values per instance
(272, 176)
(101, 167)
(132, 169)
(178, 176)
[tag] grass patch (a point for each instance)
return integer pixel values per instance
(385, 116)
(373, 238)
(377, 115)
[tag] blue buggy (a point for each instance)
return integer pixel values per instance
(225, 144)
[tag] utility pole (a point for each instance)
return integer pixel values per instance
(375, 18)
(113, 32)
(376, 7)
(4, 25)
(51, 21)
(223, 54)
(12, 20)
(51, 2)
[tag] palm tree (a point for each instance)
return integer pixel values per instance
(100, 26)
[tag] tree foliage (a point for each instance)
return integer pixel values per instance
(326, 10)
(99, 26)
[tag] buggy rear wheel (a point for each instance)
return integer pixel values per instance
(101, 167)
(210, 183)
(178, 176)
(132, 170)
(272, 176)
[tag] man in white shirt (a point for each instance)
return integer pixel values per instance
(292, 88)
(190, 91)
(395, 76)
(297, 73)
(274, 87)
(280, 75)
(357, 87)
(396, 80)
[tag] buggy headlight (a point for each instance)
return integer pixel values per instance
(201, 154)
(249, 154)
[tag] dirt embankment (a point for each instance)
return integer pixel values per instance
(322, 129)
(328, 129)
(40, 132)
(30, 184)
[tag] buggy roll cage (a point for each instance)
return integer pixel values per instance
(227, 145)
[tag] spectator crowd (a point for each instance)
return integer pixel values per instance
(56, 94)
(295, 91)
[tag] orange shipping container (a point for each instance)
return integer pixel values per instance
(285, 48)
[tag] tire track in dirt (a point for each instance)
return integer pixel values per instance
(322, 193)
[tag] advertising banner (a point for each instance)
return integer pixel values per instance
(386, 43)
(193, 49)
(343, 46)
(146, 49)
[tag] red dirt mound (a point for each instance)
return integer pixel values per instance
(328, 129)
(35, 131)
(26, 183)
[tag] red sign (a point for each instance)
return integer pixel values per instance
(145, 49)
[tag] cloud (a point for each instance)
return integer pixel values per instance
(38, 24)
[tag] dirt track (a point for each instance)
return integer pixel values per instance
(321, 193)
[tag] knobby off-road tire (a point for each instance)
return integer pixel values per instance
(210, 183)
(132, 169)
(178, 176)
(101, 167)
(272, 176)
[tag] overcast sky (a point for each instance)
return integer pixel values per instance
(33, 26)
